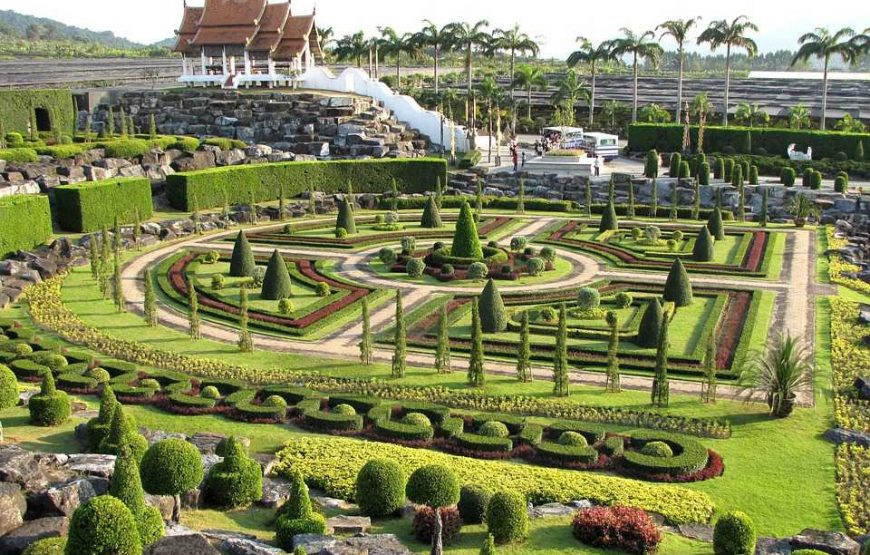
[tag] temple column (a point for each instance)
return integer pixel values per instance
(202, 59)
(247, 63)
(224, 59)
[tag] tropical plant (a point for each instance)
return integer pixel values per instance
(611, 110)
(529, 78)
(653, 113)
(394, 45)
(592, 56)
(467, 36)
(730, 35)
(802, 207)
(513, 40)
(438, 38)
(352, 47)
(640, 47)
(751, 114)
(779, 372)
(679, 29)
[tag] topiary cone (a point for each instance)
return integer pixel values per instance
(703, 250)
(276, 282)
(431, 215)
(492, 314)
(466, 243)
(715, 225)
(242, 262)
(678, 288)
(650, 324)
(608, 218)
(345, 218)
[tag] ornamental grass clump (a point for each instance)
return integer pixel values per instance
(779, 371)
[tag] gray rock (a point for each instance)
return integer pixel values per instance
(841, 435)
(695, 531)
(15, 541)
(92, 464)
(312, 543)
(61, 500)
(244, 546)
(163, 503)
(13, 506)
(551, 510)
(275, 492)
(375, 544)
(343, 524)
(835, 543)
(772, 546)
(190, 544)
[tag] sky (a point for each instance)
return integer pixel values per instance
(555, 24)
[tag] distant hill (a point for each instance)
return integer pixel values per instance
(41, 28)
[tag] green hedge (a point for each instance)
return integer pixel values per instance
(332, 422)
(689, 455)
(477, 442)
(86, 207)
(668, 137)
(22, 155)
(502, 203)
(216, 186)
(402, 431)
(25, 222)
(16, 108)
(559, 453)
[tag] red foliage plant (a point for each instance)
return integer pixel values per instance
(424, 524)
(625, 528)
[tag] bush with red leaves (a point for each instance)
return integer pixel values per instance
(624, 528)
(424, 524)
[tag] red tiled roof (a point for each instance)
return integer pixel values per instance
(188, 28)
(289, 48)
(271, 27)
(220, 13)
(207, 36)
(299, 26)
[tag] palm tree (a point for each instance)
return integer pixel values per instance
(823, 45)
(528, 78)
(325, 34)
(798, 117)
(468, 37)
(439, 38)
(352, 47)
(395, 45)
(571, 89)
(700, 107)
(802, 207)
(731, 35)
(779, 372)
(751, 113)
(679, 30)
(514, 41)
(587, 54)
(611, 110)
(490, 91)
(639, 46)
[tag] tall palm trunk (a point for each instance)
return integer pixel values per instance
(824, 95)
(727, 83)
(529, 102)
(592, 98)
(680, 86)
(398, 71)
(468, 72)
(634, 99)
(513, 98)
(489, 127)
(436, 69)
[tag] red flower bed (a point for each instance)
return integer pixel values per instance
(730, 329)
(625, 528)
(755, 254)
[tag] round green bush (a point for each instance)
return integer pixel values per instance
(340, 233)
(535, 266)
(46, 546)
(380, 488)
(344, 409)
(285, 306)
(433, 485)
(657, 449)
(322, 289)
(210, 392)
(103, 525)
(150, 525)
(623, 300)
(150, 383)
(236, 481)
(99, 374)
(275, 401)
(493, 428)
(840, 184)
(447, 270)
(734, 534)
(55, 361)
(387, 256)
(415, 267)
(416, 418)
(286, 528)
(548, 254)
(588, 298)
(507, 517)
(573, 439)
(14, 140)
(477, 271)
(50, 407)
(18, 349)
(8, 388)
(171, 467)
(473, 500)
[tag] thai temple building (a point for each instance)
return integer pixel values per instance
(242, 43)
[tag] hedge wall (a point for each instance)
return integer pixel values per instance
(25, 222)
(667, 137)
(214, 187)
(86, 207)
(16, 108)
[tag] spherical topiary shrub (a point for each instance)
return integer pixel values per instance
(387, 256)
(344, 409)
(150, 383)
(103, 525)
(275, 401)
(507, 518)
(477, 271)
(236, 481)
(286, 528)
(417, 419)
(657, 449)
(588, 298)
(171, 467)
(322, 289)
(447, 270)
(734, 534)
(210, 392)
(340, 233)
(99, 374)
(380, 488)
(535, 266)
(423, 525)
(8, 388)
(46, 546)
(840, 184)
(415, 267)
(573, 439)
(493, 428)
(473, 500)
(433, 485)
(49, 407)
(623, 300)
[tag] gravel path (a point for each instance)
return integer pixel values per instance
(793, 307)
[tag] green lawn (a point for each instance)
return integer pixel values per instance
(562, 270)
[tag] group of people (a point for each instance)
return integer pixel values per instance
(516, 156)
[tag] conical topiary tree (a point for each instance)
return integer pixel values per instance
(560, 356)
(431, 215)
(98, 427)
(703, 249)
(612, 383)
(661, 387)
(276, 282)
(715, 225)
(242, 262)
(126, 486)
(650, 324)
(678, 288)
(476, 373)
(608, 218)
(124, 434)
(400, 342)
(345, 218)
(466, 243)
(492, 314)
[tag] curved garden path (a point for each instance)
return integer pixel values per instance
(793, 306)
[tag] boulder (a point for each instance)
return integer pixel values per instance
(189, 544)
(275, 492)
(15, 541)
(61, 500)
(245, 546)
(91, 464)
(834, 543)
(12, 507)
(163, 503)
(21, 467)
(551, 510)
(841, 435)
(312, 543)
(375, 544)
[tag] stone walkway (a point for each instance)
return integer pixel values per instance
(793, 306)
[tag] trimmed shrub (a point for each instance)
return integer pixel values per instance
(507, 518)
(678, 287)
(704, 174)
(651, 165)
(46, 546)
(415, 267)
(49, 407)
(87, 207)
(275, 401)
(8, 388)
(620, 528)
(816, 180)
(650, 324)
(685, 172)
(423, 524)
(840, 184)
(657, 449)
(236, 481)
(703, 248)
(609, 222)
(387, 256)
(416, 419)
(380, 488)
(286, 528)
(493, 428)
(276, 283)
(734, 534)
(210, 392)
(477, 271)
(19, 155)
(123, 434)
(433, 485)
(588, 298)
(298, 504)
(715, 225)
(473, 501)
(492, 313)
(237, 184)
(345, 219)
(753, 175)
(787, 176)
(171, 467)
(103, 524)
(126, 485)
(623, 300)
(807, 178)
(573, 439)
(242, 261)
(25, 222)
(224, 143)
(431, 218)
(126, 148)
(466, 243)
(674, 165)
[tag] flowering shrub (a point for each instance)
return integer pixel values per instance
(624, 528)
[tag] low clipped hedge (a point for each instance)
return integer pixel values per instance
(28, 369)
(264, 182)
(570, 454)
(435, 413)
(481, 443)
(513, 422)
(592, 432)
(25, 222)
(403, 431)
(689, 455)
(21, 155)
(332, 422)
(501, 203)
(362, 405)
(86, 207)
